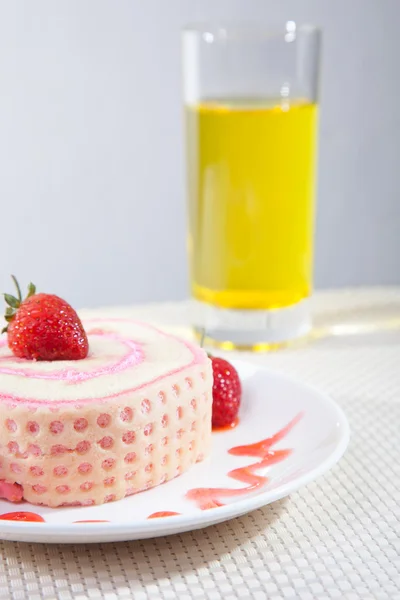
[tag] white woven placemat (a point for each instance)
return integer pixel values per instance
(336, 538)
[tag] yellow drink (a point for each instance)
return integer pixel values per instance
(251, 202)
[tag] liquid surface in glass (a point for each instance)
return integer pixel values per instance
(251, 178)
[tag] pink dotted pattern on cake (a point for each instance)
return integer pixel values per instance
(134, 414)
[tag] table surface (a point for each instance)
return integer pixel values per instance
(336, 538)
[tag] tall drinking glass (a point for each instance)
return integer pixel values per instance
(251, 125)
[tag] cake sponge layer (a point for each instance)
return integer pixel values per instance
(134, 414)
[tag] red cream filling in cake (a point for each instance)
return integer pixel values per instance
(132, 415)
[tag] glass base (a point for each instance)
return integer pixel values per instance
(257, 330)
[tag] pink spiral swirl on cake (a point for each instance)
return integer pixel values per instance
(73, 374)
(133, 357)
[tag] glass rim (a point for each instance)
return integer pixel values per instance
(219, 31)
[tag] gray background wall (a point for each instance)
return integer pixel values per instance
(91, 156)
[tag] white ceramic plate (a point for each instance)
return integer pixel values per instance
(317, 440)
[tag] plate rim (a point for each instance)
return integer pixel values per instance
(180, 523)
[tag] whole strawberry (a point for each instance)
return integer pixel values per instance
(43, 327)
(227, 393)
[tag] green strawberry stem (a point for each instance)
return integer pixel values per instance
(15, 302)
(18, 288)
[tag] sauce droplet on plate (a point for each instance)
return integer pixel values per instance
(24, 517)
(92, 521)
(163, 513)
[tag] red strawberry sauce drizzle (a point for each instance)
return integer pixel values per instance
(206, 498)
